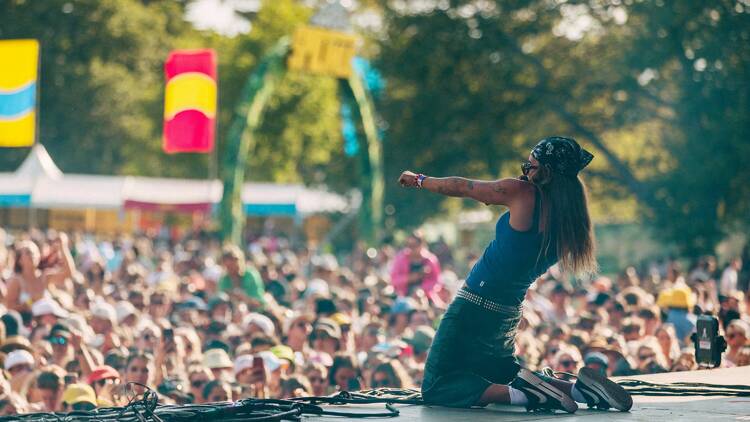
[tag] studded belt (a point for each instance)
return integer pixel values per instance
(485, 303)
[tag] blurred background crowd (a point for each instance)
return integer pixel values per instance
(91, 322)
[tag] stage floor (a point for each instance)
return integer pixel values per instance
(645, 408)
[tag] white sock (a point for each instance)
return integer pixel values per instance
(577, 395)
(517, 397)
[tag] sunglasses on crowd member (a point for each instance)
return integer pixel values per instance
(734, 334)
(320, 335)
(19, 368)
(198, 383)
(103, 382)
(58, 340)
(647, 356)
(526, 167)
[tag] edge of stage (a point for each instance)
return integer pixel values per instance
(645, 408)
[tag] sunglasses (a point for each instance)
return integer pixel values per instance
(645, 357)
(103, 382)
(321, 335)
(526, 167)
(58, 340)
(733, 335)
(198, 383)
(18, 368)
(568, 363)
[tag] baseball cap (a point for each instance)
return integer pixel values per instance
(329, 327)
(682, 298)
(193, 302)
(104, 310)
(218, 299)
(217, 359)
(48, 306)
(102, 372)
(15, 343)
(284, 352)
(403, 305)
(18, 357)
(124, 309)
(79, 393)
(317, 288)
(596, 357)
(243, 362)
(341, 319)
(270, 360)
(263, 322)
(421, 339)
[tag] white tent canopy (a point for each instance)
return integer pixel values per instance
(39, 183)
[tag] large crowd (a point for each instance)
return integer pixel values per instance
(89, 322)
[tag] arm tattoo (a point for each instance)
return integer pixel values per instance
(454, 186)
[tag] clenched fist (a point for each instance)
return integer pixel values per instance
(408, 179)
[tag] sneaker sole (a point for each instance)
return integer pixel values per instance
(568, 404)
(615, 395)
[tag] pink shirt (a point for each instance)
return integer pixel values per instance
(430, 280)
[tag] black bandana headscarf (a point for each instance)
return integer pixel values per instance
(563, 155)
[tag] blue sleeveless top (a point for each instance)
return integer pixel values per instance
(511, 262)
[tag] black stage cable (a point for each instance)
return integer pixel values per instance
(146, 408)
(645, 388)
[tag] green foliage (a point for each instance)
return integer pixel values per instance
(472, 86)
(658, 90)
(101, 78)
(102, 90)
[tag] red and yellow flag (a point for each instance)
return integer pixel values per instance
(190, 101)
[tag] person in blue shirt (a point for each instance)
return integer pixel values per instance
(471, 361)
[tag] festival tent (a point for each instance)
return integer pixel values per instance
(16, 188)
(39, 183)
(180, 195)
(263, 199)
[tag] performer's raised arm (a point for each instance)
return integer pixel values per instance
(490, 192)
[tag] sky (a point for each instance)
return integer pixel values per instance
(220, 16)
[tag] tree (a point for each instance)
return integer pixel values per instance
(101, 78)
(473, 85)
(102, 84)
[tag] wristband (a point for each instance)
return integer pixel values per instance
(420, 179)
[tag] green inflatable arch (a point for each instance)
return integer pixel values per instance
(248, 114)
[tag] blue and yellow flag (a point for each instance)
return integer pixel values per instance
(19, 63)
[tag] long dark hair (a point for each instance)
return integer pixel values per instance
(567, 224)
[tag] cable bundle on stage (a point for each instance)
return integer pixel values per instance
(147, 409)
